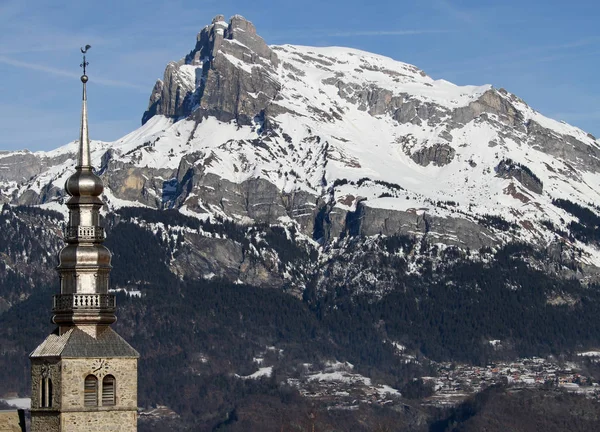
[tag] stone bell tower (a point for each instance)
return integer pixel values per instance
(84, 375)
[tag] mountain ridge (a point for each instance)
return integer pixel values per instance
(338, 142)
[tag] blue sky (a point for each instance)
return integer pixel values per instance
(545, 51)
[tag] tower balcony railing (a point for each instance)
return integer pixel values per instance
(66, 302)
(89, 233)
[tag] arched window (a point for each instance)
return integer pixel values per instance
(46, 393)
(90, 391)
(108, 390)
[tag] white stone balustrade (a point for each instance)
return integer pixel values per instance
(64, 302)
(90, 233)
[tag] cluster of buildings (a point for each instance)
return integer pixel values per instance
(455, 382)
(339, 387)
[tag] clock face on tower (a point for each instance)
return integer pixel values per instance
(100, 367)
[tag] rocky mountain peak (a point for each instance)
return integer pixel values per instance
(225, 75)
(238, 30)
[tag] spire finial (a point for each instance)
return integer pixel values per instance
(84, 64)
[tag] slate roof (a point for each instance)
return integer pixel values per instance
(52, 346)
(77, 344)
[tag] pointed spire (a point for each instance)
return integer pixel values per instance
(84, 266)
(84, 161)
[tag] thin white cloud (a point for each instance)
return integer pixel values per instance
(34, 66)
(59, 72)
(385, 33)
(53, 128)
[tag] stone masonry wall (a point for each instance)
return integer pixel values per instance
(74, 372)
(45, 422)
(40, 367)
(99, 421)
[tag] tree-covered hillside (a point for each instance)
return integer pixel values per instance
(197, 337)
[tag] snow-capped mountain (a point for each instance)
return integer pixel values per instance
(339, 142)
(409, 218)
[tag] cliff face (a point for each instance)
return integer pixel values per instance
(227, 56)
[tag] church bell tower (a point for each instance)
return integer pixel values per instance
(84, 375)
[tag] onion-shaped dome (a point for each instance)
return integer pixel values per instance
(84, 183)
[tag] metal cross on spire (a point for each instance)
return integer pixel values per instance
(85, 63)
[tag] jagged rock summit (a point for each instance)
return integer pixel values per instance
(340, 143)
(227, 55)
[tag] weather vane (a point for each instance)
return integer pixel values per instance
(85, 63)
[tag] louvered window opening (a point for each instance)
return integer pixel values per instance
(90, 394)
(108, 390)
